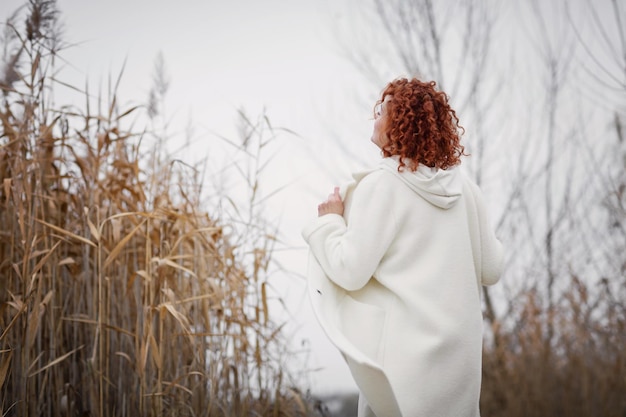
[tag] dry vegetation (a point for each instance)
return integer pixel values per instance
(579, 371)
(120, 295)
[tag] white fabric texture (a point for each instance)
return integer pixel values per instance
(395, 284)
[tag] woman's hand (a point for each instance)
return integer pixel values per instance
(332, 205)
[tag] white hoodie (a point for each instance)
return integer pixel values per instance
(395, 283)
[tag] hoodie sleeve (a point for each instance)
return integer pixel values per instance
(350, 253)
(491, 252)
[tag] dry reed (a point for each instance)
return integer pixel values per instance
(579, 371)
(119, 295)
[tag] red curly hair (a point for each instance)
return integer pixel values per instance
(420, 125)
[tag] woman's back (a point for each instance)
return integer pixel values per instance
(421, 310)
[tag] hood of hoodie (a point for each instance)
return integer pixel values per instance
(439, 187)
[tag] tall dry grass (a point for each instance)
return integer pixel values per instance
(579, 371)
(120, 294)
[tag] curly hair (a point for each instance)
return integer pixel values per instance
(420, 125)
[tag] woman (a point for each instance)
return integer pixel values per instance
(396, 265)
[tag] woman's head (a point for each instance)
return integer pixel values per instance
(415, 122)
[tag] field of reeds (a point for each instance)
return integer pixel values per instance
(121, 293)
(569, 360)
(124, 293)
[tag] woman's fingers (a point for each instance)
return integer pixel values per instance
(335, 196)
(332, 205)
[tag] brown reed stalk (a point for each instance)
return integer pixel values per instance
(579, 374)
(123, 294)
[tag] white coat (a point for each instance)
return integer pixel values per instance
(395, 284)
